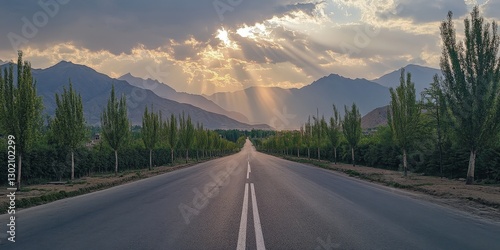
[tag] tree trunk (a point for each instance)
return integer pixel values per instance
(116, 162)
(472, 166)
(150, 159)
(352, 154)
(405, 163)
(72, 165)
(335, 155)
(298, 153)
(308, 153)
(441, 159)
(440, 144)
(319, 156)
(172, 156)
(19, 173)
(187, 155)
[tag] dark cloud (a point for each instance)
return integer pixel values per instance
(184, 51)
(118, 26)
(492, 9)
(357, 43)
(307, 8)
(424, 11)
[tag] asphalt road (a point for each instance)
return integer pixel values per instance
(248, 201)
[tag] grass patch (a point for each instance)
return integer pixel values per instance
(423, 184)
(398, 185)
(352, 173)
(25, 189)
(79, 182)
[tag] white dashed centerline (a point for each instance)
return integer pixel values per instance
(248, 170)
(259, 238)
(242, 235)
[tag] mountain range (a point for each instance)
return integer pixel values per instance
(420, 75)
(293, 107)
(290, 108)
(255, 107)
(375, 118)
(95, 89)
(167, 92)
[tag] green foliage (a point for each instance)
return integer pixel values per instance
(115, 124)
(308, 135)
(20, 109)
(241, 141)
(297, 140)
(68, 126)
(186, 133)
(173, 136)
(201, 139)
(404, 116)
(471, 84)
(351, 127)
(334, 131)
(319, 132)
(232, 134)
(150, 131)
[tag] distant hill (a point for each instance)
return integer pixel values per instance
(167, 92)
(375, 118)
(279, 108)
(290, 108)
(95, 89)
(422, 77)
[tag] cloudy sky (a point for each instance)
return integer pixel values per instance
(206, 46)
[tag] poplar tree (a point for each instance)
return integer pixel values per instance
(471, 84)
(436, 109)
(308, 136)
(115, 124)
(297, 139)
(404, 116)
(186, 133)
(317, 133)
(351, 127)
(20, 109)
(150, 132)
(172, 136)
(201, 139)
(68, 126)
(334, 131)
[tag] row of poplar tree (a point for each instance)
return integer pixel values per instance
(458, 114)
(21, 116)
